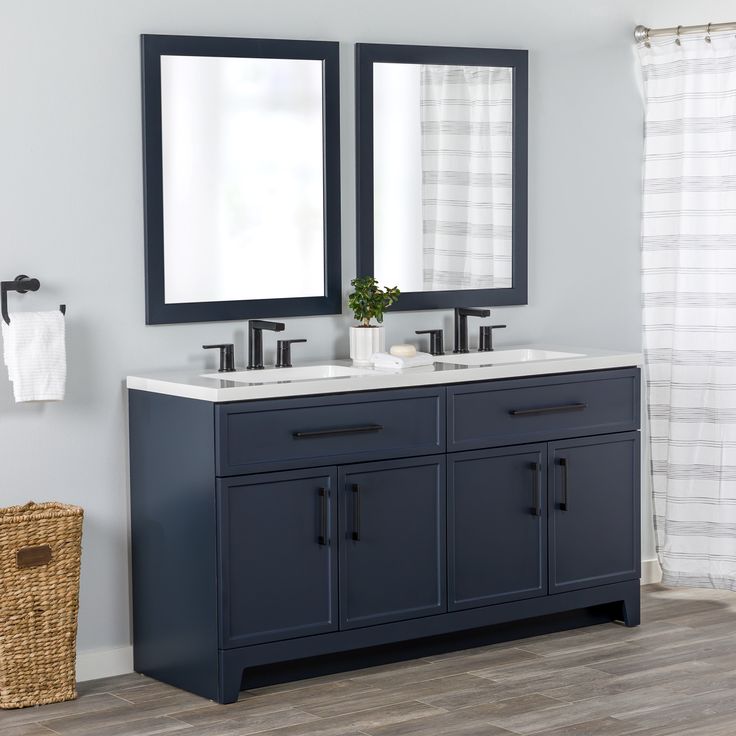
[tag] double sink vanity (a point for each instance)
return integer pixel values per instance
(280, 514)
(286, 513)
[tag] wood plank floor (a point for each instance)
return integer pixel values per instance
(676, 674)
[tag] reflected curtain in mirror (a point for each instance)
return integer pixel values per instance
(466, 176)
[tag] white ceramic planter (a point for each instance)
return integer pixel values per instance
(364, 341)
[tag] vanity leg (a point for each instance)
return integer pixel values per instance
(631, 609)
(231, 678)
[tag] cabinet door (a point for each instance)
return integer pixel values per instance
(594, 511)
(277, 556)
(496, 526)
(392, 537)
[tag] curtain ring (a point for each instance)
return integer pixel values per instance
(677, 36)
(647, 43)
(707, 32)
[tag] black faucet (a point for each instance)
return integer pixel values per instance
(283, 352)
(227, 356)
(485, 337)
(255, 340)
(461, 326)
(436, 341)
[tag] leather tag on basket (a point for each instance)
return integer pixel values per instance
(33, 556)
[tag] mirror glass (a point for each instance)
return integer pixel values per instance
(447, 150)
(442, 184)
(242, 178)
(241, 171)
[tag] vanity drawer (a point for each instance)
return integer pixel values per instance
(327, 430)
(553, 407)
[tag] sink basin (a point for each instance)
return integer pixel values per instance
(497, 357)
(300, 373)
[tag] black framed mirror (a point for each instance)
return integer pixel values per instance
(442, 173)
(241, 142)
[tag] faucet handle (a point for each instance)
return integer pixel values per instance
(436, 340)
(283, 352)
(485, 337)
(227, 356)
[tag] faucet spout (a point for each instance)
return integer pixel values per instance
(255, 340)
(262, 324)
(461, 326)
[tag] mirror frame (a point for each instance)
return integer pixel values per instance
(157, 310)
(368, 54)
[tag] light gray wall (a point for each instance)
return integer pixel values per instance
(71, 212)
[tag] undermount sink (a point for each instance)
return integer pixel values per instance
(495, 357)
(280, 375)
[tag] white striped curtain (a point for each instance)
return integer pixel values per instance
(689, 304)
(466, 127)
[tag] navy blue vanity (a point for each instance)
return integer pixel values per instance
(272, 530)
(285, 513)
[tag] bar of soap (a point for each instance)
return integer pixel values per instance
(403, 351)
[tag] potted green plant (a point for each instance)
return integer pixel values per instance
(368, 302)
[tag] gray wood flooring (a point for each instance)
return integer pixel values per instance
(676, 674)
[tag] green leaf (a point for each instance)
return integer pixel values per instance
(369, 300)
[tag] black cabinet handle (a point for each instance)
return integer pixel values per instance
(565, 503)
(537, 470)
(356, 512)
(335, 431)
(323, 496)
(547, 410)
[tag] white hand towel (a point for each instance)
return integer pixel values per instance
(387, 362)
(34, 350)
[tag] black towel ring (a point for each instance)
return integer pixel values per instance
(20, 284)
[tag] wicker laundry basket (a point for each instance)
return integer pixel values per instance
(40, 550)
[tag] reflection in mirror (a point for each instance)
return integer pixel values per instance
(442, 176)
(442, 172)
(242, 178)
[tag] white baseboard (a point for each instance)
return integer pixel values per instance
(104, 663)
(651, 572)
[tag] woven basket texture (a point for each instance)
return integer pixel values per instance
(39, 604)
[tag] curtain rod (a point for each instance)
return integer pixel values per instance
(642, 33)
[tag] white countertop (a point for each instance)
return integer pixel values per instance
(208, 385)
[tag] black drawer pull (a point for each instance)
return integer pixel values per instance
(356, 512)
(547, 410)
(565, 503)
(334, 432)
(322, 538)
(537, 508)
